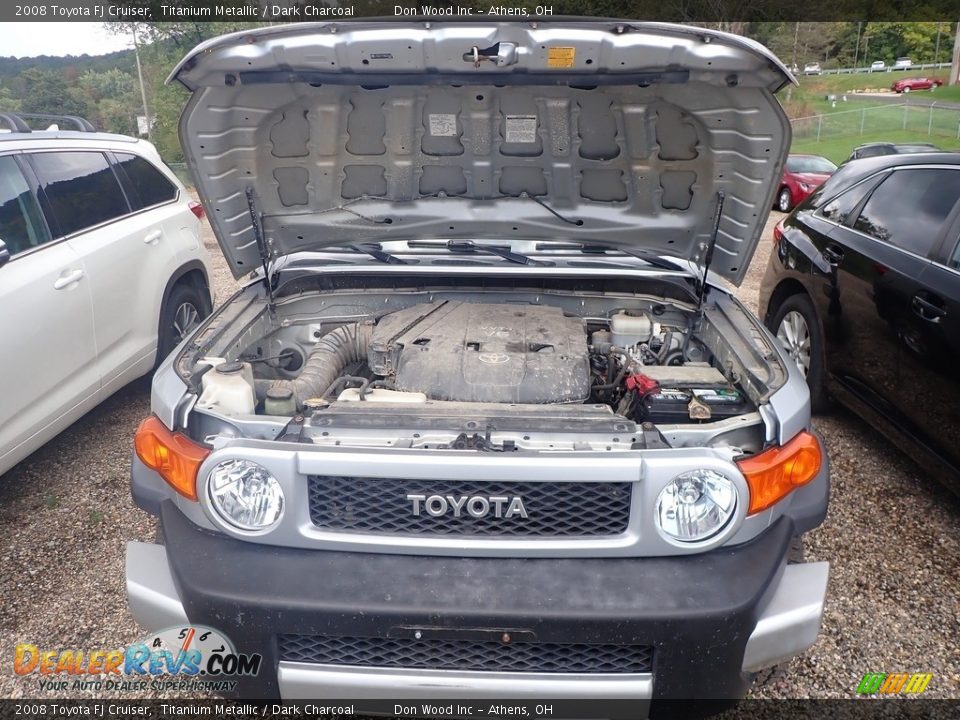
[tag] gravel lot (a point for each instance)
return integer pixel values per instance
(892, 537)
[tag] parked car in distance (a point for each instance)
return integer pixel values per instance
(902, 63)
(921, 83)
(102, 273)
(430, 424)
(863, 289)
(801, 176)
(812, 69)
(877, 65)
(876, 149)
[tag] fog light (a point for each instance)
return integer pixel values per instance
(245, 494)
(696, 505)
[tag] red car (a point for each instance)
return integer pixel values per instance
(802, 175)
(908, 84)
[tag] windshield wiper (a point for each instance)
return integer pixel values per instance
(466, 246)
(594, 248)
(374, 250)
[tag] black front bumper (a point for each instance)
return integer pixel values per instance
(696, 611)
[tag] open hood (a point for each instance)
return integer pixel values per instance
(598, 131)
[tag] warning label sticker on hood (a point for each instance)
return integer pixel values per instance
(443, 124)
(521, 129)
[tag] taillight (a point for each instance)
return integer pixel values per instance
(173, 455)
(197, 209)
(773, 474)
(778, 233)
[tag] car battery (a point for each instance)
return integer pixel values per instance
(687, 393)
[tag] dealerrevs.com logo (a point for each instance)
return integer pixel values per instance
(178, 658)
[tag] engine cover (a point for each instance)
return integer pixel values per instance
(484, 353)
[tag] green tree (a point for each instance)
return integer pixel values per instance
(47, 91)
(8, 101)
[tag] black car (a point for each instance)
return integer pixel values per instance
(863, 289)
(876, 149)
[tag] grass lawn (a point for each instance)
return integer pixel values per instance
(853, 123)
(810, 97)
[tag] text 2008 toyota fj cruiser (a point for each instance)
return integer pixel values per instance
(478, 425)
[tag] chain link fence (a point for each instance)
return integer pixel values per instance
(931, 121)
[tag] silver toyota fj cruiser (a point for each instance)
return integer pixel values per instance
(481, 424)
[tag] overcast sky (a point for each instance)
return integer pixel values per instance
(29, 39)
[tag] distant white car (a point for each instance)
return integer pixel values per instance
(903, 63)
(102, 273)
(878, 65)
(812, 69)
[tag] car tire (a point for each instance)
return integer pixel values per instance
(185, 308)
(906, 90)
(795, 323)
(784, 200)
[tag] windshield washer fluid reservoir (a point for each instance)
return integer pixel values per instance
(228, 389)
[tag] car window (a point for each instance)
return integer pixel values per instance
(954, 260)
(149, 185)
(872, 152)
(908, 209)
(809, 164)
(840, 207)
(80, 189)
(21, 225)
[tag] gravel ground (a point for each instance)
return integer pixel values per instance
(891, 537)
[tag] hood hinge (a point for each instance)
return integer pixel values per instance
(256, 220)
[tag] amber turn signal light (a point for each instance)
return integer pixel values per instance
(173, 455)
(773, 474)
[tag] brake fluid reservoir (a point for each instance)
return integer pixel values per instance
(228, 389)
(630, 327)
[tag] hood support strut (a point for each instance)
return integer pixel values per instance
(256, 220)
(697, 320)
(708, 254)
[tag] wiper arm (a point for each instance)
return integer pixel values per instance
(374, 251)
(599, 249)
(466, 246)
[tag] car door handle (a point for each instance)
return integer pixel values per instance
(926, 309)
(833, 254)
(67, 278)
(151, 238)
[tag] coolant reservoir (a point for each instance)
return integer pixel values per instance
(630, 327)
(228, 389)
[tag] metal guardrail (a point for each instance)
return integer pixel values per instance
(887, 69)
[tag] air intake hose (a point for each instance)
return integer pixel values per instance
(332, 353)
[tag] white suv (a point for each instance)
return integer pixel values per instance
(102, 272)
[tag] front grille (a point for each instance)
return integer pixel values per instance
(378, 505)
(488, 656)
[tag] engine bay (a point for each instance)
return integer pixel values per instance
(647, 362)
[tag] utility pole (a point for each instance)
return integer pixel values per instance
(955, 67)
(796, 38)
(143, 89)
(856, 51)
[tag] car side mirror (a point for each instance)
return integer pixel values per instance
(4, 253)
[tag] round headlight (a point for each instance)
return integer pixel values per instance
(696, 505)
(245, 494)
